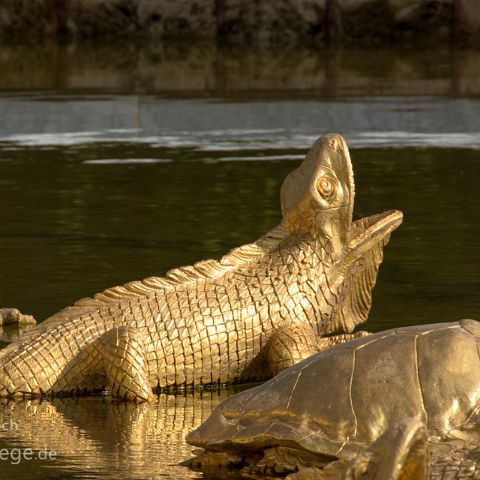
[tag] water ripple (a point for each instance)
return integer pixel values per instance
(208, 126)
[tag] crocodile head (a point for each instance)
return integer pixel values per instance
(318, 196)
(317, 200)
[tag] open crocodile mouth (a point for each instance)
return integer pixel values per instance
(374, 228)
(367, 238)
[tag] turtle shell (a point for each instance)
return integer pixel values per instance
(340, 400)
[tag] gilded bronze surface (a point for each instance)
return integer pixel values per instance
(261, 308)
(335, 404)
(403, 452)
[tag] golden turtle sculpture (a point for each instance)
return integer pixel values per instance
(340, 401)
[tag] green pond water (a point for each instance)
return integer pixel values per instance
(115, 167)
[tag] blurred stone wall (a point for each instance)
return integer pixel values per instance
(247, 21)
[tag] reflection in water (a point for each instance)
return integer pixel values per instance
(98, 438)
(10, 333)
(206, 70)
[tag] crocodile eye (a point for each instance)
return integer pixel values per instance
(326, 187)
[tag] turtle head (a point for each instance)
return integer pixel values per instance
(399, 454)
(318, 196)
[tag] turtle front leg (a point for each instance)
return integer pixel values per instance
(125, 363)
(326, 342)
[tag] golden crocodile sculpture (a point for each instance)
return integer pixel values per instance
(260, 308)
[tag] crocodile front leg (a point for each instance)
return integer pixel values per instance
(288, 346)
(114, 361)
(124, 356)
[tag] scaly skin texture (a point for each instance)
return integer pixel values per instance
(399, 388)
(261, 308)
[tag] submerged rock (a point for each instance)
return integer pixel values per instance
(13, 316)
